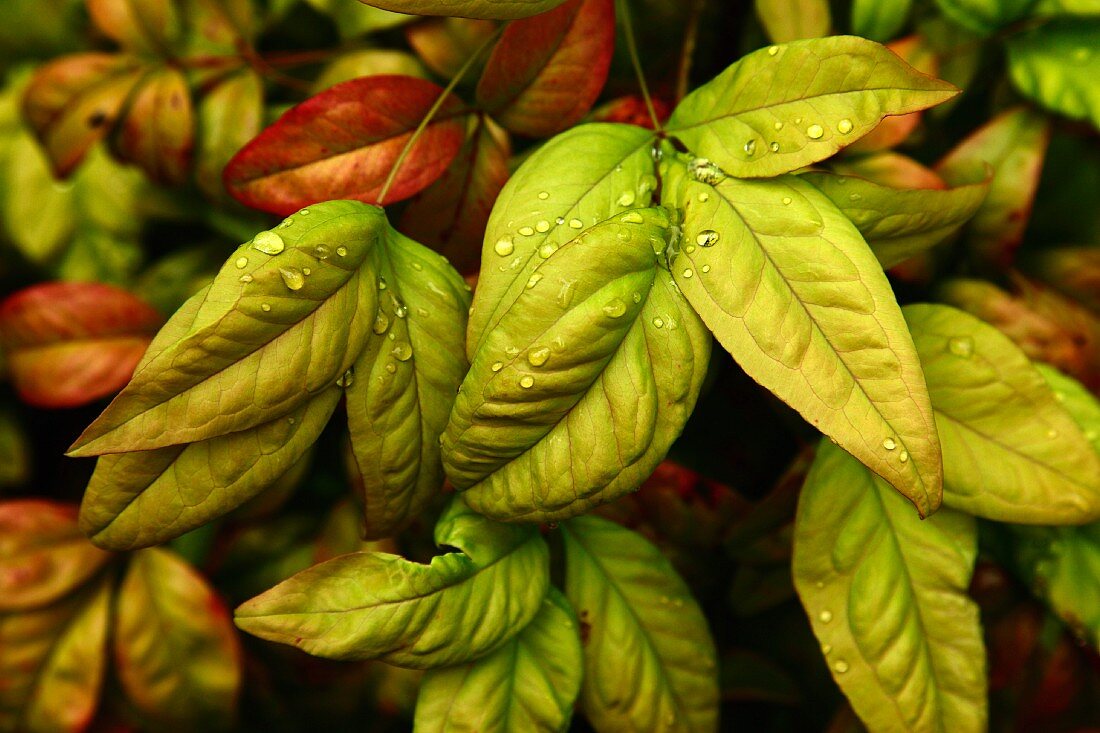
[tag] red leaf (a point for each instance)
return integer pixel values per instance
(546, 71)
(631, 110)
(158, 131)
(342, 144)
(70, 343)
(451, 214)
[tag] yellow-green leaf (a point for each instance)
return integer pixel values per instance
(793, 20)
(1057, 64)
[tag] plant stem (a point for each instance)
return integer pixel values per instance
(432, 112)
(687, 52)
(632, 48)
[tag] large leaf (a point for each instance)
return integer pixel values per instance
(790, 288)
(598, 341)
(405, 382)
(793, 20)
(649, 660)
(887, 598)
(284, 319)
(1056, 65)
(43, 556)
(528, 685)
(900, 223)
(1011, 452)
(164, 607)
(374, 605)
(343, 144)
(70, 343)
(545, 72)
(785, 107)
(1013, 145)
(503, 9)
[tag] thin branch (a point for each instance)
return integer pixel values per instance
(687, 52)
(632, 48)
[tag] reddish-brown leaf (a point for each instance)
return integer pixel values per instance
(43, 556)
(157, 132)
(450, 215)
(444, 44)
(139, 25)
(343, 143)
(70, 343)
(632, 110)
(546, 71)
(71, 103)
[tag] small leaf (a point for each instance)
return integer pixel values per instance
(984, 16)
(229, 115)
(451, 214)
(405, 383)
(374, 605)
(791, 290)
(1013, 144)
(164, 607)
(141, 26)
(1010, 451)
(649, 659)
(53, 661)
(594, 340)
(879, 20)
(343, 143)
(1056, 65)
(74, 101)
(887, 598)
(158, 131)
(68, 344)
(266, 338)
(793, 20)
(899, 223)
(545, 72)
(43, 556)
(445, 45)
(529, 684)
(785, 107)
(502, 9)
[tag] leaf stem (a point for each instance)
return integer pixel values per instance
(623, 7)
(466, 66)
(687, 51)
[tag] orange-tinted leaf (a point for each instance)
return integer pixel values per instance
(342, 144)
(73, 102)
(158, 129)
(890, 169)
(894, 130)
(546, 71)
(43, 556)
(1074, 271)
(70, 343)
(137, 25)
(631, 110)
(444, 44)
(451, 214)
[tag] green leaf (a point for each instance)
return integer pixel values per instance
(900, 223)
(529, 684)
(285, 317)
(52, 661)
(43, 556)
(374, 605)
(163, 608)
(597, 341)
(887, 598)
(1066, 7)
(405, 383)
(229, 115)
(502, 9)
(984, 16)
(1011, 452)
(793, 20)
(1056, 65)
(879, 20)
(1013, 144)
(791, 290)
(356, 19)
(649, 659)
(15, 451)
(785, 107)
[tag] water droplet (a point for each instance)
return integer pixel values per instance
(565, 294)
(687, 272)
(658, 323)
(242, 262)
(814, 132)
(292, 277)
(786, 200)
(246, 278)
(321, 252)
(774, 147)
(841, 666)
(844, 126)
(827, 649)
(825, 616)
(854, 197)
(705, 269)
(289, 221)
(690, 248)
(704, 197)
(346, 379)
(497, 366)
(304, 212)
(1052, 433)
(819, 584)
(538, 356)
(889, 444)
(511, 351)
(268, 243)
(306, 271)
(544, 195)
(291, 420)
(750, 147)
(636, 297)
(615, 308)
(707, 238)
(961, 346)
(402, 351)
(526, 231)
(527, 382)
(560, 220)
(542, 226)
(547, 249)
(798, 120)
(342, 251)
(773, 50)
(778, 125)
(626, 199)
(265, 307)
(533, 280)
(381, 323)
(576, 223)
(631, 217)
(400, 310)
(903, 456)
(705, 171)
(382, 283)
(391, 368)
